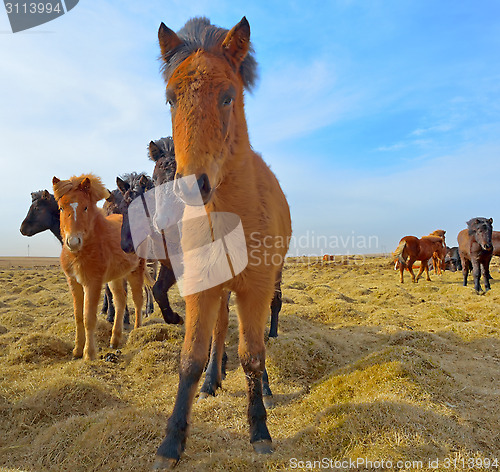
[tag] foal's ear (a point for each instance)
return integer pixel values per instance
(168, 40)
(55, 180)
(84, 185)
(154, 151)
(122, 185)
(491, 221)
(110, 198)
(143, 181)
(237, 43)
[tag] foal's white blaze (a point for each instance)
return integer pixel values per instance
(74, 205)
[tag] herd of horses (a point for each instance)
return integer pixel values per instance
(206, 71)
(476, 246)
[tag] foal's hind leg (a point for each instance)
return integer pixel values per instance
(120, 298)
(401, 271)
(426, 268)
(213, 376)
(107, 305)
(150, 308)
(136, 281)
(409, 265)
(421, 270)
(165, 280)
(252, 313)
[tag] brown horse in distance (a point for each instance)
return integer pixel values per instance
(439, 263)
(206, 70)
(91, 256)
(495, 240)
(411, 249)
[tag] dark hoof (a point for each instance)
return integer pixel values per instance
(164, 463)
(264, 446)
(173, 318)
(268, 401)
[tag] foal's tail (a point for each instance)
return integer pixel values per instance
(398, 253)
(148, 280)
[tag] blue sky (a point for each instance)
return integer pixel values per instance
(380, 118)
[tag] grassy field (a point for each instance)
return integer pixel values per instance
(364, 369)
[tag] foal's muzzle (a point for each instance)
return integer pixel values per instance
(74, 242)
(190, 191)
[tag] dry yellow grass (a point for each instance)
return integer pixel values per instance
(363, 368)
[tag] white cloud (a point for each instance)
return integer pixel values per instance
(432, 129)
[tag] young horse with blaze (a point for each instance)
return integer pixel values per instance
(91, 256)
(206, 70)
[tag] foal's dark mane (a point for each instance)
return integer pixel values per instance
(36, 195)
(39, 195)
(133, 179)
(199, 34)
(165, 149)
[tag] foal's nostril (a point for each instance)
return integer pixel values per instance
(204, 185)
(190, 190)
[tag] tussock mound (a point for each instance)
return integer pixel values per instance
(155, 332)
(301, 356)
(99, 441)
(299, 297)
(156, 358)
(64, 398)
(14, 319)
(38, 347)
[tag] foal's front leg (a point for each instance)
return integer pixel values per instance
(77, 292)
(275, 308)
(92, 295)
(201, 314)
(485, 269)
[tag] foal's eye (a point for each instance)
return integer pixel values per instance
(227, 101)
(85, 209)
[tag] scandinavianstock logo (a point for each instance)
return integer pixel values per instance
(204, 249)
(24, 15)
